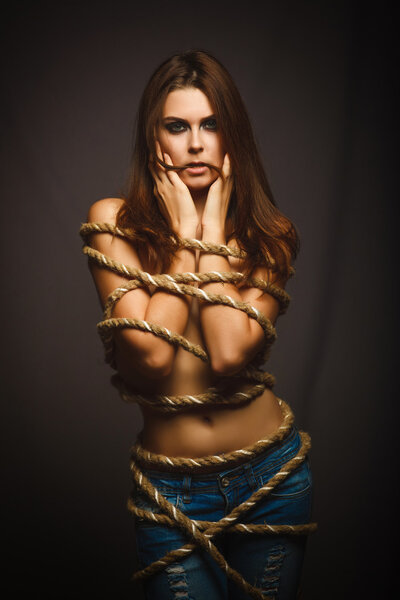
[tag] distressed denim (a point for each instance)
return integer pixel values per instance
(270, 562)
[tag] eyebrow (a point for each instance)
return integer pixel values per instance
(184, 120)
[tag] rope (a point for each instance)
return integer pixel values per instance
(200, 533)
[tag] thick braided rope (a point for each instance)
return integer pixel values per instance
(181, 284)
(200, 532)
(175, 403)
(169, 282)
(149, 459)
(193, 529)
(221, 249)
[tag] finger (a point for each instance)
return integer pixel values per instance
(172, 175)
(226, 166)
(155, 168)
(156, 193)
(168, 159)
(153, 172)
(160, 154)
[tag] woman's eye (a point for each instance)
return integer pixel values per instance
(178, 126)
(175, 127)
(210, 124)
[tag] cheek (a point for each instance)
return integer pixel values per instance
(219, 152)
(165, 146)
(174, 148)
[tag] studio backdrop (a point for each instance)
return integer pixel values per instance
(317, 80)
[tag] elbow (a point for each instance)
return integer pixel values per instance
(155, 362)
(230, 361)
(156, 365)
(229, 364)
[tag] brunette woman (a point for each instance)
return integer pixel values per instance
(197, 175)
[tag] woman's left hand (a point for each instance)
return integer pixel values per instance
(216, 207)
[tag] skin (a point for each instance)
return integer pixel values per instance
(189, 133)
(197, 205)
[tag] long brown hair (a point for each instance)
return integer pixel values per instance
(257, 225)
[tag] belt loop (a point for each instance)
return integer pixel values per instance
(186, 488)
(248, 471)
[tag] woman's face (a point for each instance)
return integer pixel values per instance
(189, 134)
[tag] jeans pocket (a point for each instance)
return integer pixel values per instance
(297, 483)
(143, 502)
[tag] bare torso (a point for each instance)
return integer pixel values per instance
(201, 431)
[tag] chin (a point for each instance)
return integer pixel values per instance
(198, 186)
(199, 183)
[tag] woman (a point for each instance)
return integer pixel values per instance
(197, 175)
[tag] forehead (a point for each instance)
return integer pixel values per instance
(187, 103)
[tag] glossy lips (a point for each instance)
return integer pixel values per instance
(196, 168)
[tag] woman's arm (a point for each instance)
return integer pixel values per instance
(135, 349)
(232, 337)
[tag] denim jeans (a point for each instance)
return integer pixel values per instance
(271, 562)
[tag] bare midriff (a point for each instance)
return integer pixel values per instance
(201, 431)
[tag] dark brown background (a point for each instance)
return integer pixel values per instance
(318, 81)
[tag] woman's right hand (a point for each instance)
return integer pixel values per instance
(174, 196)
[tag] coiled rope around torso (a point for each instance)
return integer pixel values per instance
(199, 532)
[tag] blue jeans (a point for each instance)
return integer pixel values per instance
(270, 562)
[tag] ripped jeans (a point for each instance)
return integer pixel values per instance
(270, 562)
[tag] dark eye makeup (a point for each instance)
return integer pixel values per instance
(175, 126)
(179, 126)
(210, 124)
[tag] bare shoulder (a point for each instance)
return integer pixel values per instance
(116, 247)
(104, 210)
(111, 247)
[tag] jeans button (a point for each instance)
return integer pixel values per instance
(224, 481)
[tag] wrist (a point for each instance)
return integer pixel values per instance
(186, 232)
(186, 228)
(213, 232)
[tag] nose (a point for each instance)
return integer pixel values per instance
(195, 142)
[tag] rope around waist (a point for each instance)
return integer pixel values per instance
(201, 533)
(212, 463)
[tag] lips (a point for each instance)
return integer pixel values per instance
(196, 168)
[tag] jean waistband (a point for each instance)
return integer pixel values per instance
(291, 439)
